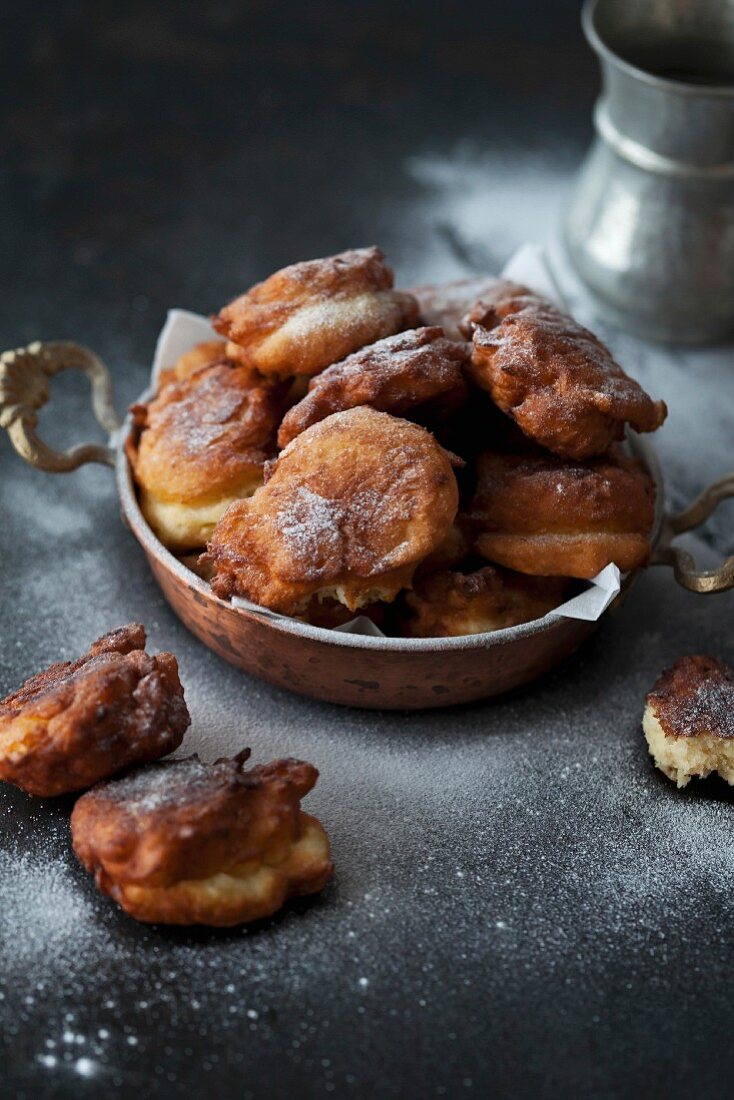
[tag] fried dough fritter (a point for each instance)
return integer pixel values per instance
(200, 355)
(689, 720)
(415, 371)
(447, 604)
(556, 379)
(80, 721)
(350, 508)
(446, 304)
(201, 444)
(549, 516)
(185, 842)
(310, 315)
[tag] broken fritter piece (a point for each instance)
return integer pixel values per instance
(80, 721)
(310, 315)
(689, 720)
(348, 510)
(549, 516)
(418, 371)
(200, 444)
(447, 604)
(185, 842)
(558, 382)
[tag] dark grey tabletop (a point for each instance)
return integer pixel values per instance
(522, 906)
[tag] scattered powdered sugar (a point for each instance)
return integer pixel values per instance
(46, 920)
(483, 855)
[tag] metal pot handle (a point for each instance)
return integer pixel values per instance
(684, 567)
(24, 389)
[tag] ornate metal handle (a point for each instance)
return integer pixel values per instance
(24, 389)
(684, 567)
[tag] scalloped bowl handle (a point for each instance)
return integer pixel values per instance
(706, 581)
(25, 374)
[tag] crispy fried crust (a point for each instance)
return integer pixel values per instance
(190, 843)
(312, 314)
(80, 721)
(446, 304)
(350, 508)
(544, 515)
(200, 444)
(415, 371)
(556, 379)
(695, 696)
(200, 355)
(447, 604)
(689, 720)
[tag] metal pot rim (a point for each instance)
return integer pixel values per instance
(598, 44)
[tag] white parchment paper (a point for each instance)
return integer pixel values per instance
(529, 265)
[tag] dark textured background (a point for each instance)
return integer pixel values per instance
(522, 906)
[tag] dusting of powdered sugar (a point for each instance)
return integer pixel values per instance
(315, 529)
(45, 919)
(147, 790)
(311, 526)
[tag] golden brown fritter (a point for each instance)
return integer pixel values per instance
(199, 445)
(418, 371)
(200, 355)
(689, 720)
(446, 304)
(540, 514)
(190, 843)
(80, 721)
(447, 604)
(557, 380)
(310, 315)
(349, 509)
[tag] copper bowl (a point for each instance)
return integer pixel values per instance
(354, 670)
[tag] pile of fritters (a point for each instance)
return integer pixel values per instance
(445, 460)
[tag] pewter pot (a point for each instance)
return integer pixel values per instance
(651, 225)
